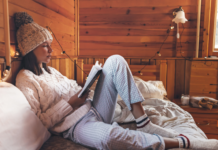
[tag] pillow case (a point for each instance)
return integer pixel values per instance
(20, 127)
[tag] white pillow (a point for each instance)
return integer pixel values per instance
(20, 128)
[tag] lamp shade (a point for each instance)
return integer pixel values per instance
(180, 17)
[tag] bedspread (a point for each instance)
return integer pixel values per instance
(165, 114)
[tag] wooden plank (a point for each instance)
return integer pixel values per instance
(157, 39)
(131, 17)
(62, 66)
(58, 7)
(163, 72)
(76, 52)
(42, 10)
(155, 24)
(203, 94)
(147, 68)
(2, 49)
(71, 68)
(204, 64)
(49, 64)
(90, 61)
(206, 32)
(180, 78)
(2, 36)
(135, 10)
(135, 61)
(125, 53)
(204, 72)
(91, 45)
(203, 80)
(128, 60)
(187, 76)
(132, 32)
(212, 136)
(57, 64)
(80, 75)
(146, 62)
(1, 6)
(130, 3)
(203, 88)
(1, 20)
(43, 21)
(171, 64)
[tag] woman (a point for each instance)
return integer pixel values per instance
(54, 99)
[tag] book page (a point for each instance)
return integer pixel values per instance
(93, 75)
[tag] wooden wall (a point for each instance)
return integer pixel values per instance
(136, 28)
(58, 15)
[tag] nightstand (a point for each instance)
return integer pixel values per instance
(206, 120)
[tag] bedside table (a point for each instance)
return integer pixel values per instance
(206, 120)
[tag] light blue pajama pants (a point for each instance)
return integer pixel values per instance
(95, 130)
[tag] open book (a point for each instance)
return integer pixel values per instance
(93, 75)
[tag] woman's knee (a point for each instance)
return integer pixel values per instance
(117, 59)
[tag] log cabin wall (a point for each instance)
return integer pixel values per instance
(136, 28)
(58, 15)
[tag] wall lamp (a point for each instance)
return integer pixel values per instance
(179, 17)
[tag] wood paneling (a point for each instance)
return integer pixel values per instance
(130, 3)
(124, 27)
(203, 79)
(58, 15)
(170, 79)
(206, 28)
(180, 78)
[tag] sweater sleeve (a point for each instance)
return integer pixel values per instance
(51, 116)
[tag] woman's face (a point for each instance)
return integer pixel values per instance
(43, 52)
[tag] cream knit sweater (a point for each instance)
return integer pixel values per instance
(48, 95)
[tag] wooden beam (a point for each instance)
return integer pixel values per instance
(180, 78)
(213, 22)
(7, 33)
(198, 29)
(206, 31)
(56, 7)
(76, 50)
(171, 64)
(187, 76)
(163, 72)
(80, 74)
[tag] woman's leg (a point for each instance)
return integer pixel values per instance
(94, 133)
(117, 78)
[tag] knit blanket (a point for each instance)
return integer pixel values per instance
(161, 112)
(165, 114)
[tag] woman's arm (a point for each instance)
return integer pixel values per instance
(52, 115)
(76, 102)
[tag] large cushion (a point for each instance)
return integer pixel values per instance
(20, 128)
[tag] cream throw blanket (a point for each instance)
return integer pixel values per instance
(161, 112)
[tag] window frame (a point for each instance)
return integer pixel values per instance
(212, 51)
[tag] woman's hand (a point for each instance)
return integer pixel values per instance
(76, 102)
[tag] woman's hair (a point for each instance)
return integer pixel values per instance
(29, 62)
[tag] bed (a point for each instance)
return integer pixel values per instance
(161, 111)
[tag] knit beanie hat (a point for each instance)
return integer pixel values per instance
(29, 34)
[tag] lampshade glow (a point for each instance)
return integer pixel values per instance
(180, 17)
